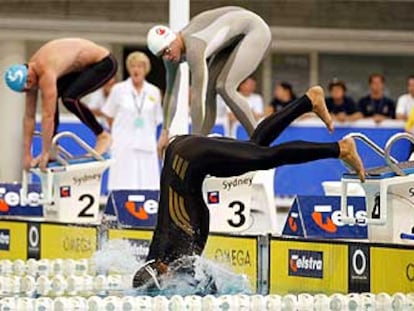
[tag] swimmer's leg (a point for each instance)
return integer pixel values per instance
(85, 82)
(235, 158)
(271, 127)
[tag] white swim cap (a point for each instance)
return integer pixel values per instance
(158, 38)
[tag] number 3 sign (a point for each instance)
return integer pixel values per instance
(229, 201)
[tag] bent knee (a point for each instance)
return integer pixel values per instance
(66, 99)
(225, 89)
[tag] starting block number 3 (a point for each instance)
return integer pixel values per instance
(229, 202)
(239, 217)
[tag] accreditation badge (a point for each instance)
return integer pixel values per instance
(139, 122)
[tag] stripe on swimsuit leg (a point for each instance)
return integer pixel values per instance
(188, 230)
(178, 212)
(182, 208)
(174, 165)
(178, 167)
(183, 169)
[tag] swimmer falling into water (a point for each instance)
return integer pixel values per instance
(183, 217)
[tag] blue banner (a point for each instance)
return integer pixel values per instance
(134, 208)
(11, 201)
(320, 217)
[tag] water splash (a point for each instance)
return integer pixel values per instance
(188, 276)
(116, 256)
(200, 276)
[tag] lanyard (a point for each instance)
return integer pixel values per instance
(139, 106)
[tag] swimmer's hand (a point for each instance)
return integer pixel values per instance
(41, 161)
(27, 162)
(162, 143)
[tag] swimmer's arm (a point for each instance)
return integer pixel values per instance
(171, 94)
(47, 85)
(199, 82)
(29, 122)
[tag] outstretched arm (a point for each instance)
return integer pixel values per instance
(47, 85)
(29, 122)
(199, 83)
(169, 103)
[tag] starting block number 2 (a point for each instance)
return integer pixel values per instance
(75, 197)
(86, 211)
(78, 208)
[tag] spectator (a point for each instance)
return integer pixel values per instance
(282, 95)
(133, 109)
(405, 103)
(376, 104)
(341, 107)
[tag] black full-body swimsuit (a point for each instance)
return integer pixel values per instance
(183, 217)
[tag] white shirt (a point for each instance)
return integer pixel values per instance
(255, 103)
(127, 108)
(95, 100)
(405, 104)
(222, 109)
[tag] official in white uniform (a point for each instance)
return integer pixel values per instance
(134, 110)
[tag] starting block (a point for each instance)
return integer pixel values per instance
(71, 186)
(389, 193)
(241, 204)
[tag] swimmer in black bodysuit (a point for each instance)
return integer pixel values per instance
(183, 217)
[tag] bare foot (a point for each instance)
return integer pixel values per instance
(161, 267)
(317, 97)
(103, 142)
(349, 154)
